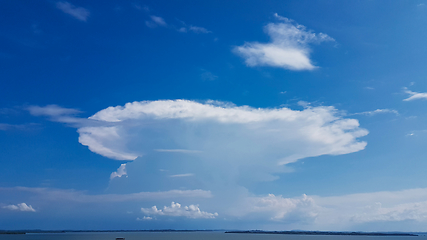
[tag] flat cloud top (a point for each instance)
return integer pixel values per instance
(126, 132)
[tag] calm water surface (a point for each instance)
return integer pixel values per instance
(190, 236)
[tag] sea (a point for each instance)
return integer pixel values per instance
(192, 236)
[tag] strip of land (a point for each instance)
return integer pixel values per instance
(325, 233)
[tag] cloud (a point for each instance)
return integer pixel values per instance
(6, 126)
(183, 175)
(77, 12)
(177, 150)
(82, 197)
(198, 29)
(208, 76)
(194, 29)
(23, 207)
(56, 113)
(378, 111)
(278, 208)
(145, 218)
(288, 133)
(414, 95)
(288, 49)
(121, 171)
(236, 141)
(155, 22)
(175, 210)
(191, 28)
(337, 212)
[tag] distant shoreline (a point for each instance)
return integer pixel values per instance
(324, 233)
(220, 230)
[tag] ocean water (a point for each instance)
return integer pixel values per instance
(191, 236)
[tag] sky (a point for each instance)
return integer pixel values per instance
(273, 115)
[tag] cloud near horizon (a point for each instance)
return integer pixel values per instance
(175, 210)
(23, 207)
(343, 212)
(288, 49)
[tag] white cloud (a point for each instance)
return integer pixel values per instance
(220, 135)
(378, 111)
(175, 210)
(23, 207)
(89, 137)
(156, 21)
(414, 95)
(52, 111)
(82, 197)
(278, 208)
(191, 28)
(121, 171)
(183, 175)
(289, 46)
(77, 12)
(145, 218)
(338, 212)
(290, 133)
(198, 29)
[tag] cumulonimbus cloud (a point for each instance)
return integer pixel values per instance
(218, 134)
(289, 46)
(129, 131)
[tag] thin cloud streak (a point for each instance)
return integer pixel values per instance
(78, 13)
(51, 194)
(414, 95)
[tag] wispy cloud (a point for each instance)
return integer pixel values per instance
(52, 111)
(6, 126)
(182, 175)
(79, 13)
(175, 210)
(378, 111)
(414, 95)
(207, 75)
(177, 150)
(289, 46)
(23, 207)
(50, 194)
(155, 22)
(192, 28)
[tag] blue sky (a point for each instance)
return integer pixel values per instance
(273, 115)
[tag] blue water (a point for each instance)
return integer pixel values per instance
(191, 236)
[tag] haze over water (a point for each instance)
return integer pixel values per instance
(193, 236)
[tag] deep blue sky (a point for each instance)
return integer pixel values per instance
(323, 98)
